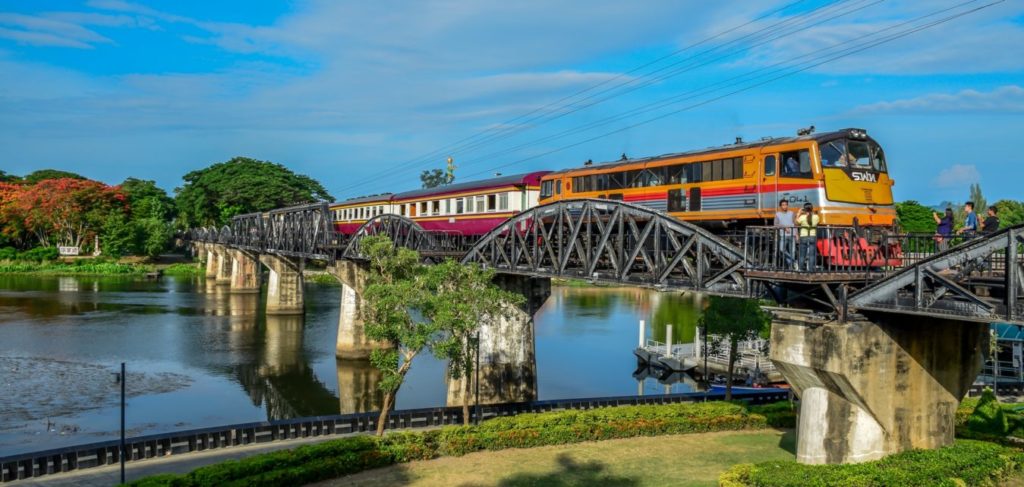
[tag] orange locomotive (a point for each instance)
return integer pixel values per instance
(842, 173)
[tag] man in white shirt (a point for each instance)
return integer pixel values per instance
(784, 219)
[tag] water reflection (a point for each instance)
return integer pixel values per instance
(247, 366)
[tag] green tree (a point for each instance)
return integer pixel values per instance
(460, 298)
(980, 203)
(1010, 212)
(44, 174)
(735, 320)
(152, 214)
(393, 301)
(915, 217)
(436, 177)
(7, 178)
(213, 195)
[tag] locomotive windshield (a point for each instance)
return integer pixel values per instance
(853, 154)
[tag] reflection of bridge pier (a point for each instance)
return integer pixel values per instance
(359, 386)
(508, 363)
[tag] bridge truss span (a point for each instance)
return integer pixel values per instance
(612, 241)
(404, 232)
(981, 280)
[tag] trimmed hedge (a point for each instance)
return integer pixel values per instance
(335, 458)
(966, 462)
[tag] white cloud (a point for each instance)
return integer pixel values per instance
(1008, 98)
(61, 29)
(957, 176)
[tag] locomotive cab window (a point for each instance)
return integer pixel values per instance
(769, 165)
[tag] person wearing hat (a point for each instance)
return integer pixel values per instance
(807, 221)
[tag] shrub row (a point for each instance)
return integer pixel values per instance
(78, 267)
(966, 462)
(335, 458)
(37, 254)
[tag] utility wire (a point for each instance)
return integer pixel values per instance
(733, 81)
(452, 148)
(849, 52)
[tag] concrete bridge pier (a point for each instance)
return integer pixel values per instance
(871, 388)
(508, 362)
(209, 258)
(352, 341)
(245, 272)
(224, 264)
(284, 286)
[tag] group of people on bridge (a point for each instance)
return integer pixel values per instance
(971, 228)
(804, 234)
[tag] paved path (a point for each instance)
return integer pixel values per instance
(108, 475)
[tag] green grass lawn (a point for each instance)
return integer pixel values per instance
(684, 460)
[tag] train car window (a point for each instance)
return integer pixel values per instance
(481, 204)
(459, 208)
(558, 187)
(833, 154)
(503, 201)
(716, 170)
(696, 171)
(616, 180)
(492, 202)
(727, 172)
(601, 182)
(545, 189)
(737, 167)
(656, 176)
(769, 165)
(796, 164)
(436, 210)
(705, 171)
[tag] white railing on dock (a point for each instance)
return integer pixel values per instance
(752, 354)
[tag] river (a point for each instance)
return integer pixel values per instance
(198, 356)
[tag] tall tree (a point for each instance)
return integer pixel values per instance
(436, 177)
(7, 178)
(980, 203)
(393, 299)
(915, 217)
(65, 211)
(213, 195)
(44, 174)
(460, 298)
(735, 320)
(1010, 212)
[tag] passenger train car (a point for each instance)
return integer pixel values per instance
(471, 208)
(842, 173)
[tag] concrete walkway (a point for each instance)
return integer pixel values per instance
(108, 475)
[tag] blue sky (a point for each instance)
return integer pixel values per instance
(364, 95)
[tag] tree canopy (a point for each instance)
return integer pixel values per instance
(147, 229)
(213, 195)
(915, 217)
(436, 177)
(1010, 212)
(63, 211)
(44, 174)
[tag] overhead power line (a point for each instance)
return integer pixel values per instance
(831, 58)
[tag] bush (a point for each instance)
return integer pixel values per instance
(39, 254)
(966, 462)
(988, 417)
(780, 414)
(335, 458)
(181, 269)
(78, 267)
(8, 253)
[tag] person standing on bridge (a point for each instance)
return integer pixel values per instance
(943, 229)
(808, 220)
(784, 219)
(991, 223)
(970, 221)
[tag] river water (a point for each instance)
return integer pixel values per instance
(198, 356)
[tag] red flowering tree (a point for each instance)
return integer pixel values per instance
(62, 211)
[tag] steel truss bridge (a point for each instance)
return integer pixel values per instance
(864, 270)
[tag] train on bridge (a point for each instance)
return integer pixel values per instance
(842, 173)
